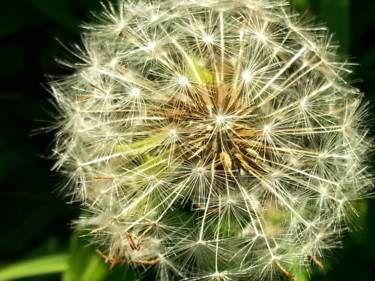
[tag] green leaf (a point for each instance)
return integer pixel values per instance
(336, 13)
(84, 263)
(45, 265)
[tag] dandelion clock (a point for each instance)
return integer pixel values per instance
(211, 140)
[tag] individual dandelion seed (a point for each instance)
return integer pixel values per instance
(211, 140)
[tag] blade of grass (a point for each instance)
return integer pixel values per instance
(56, 263)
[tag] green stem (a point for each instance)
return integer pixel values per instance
(56, 263)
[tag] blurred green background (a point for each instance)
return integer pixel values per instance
(34, 217)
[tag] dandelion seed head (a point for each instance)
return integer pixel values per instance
(211, 140)
(150, 46)
(209, 39)
(220, 119)
(135, 92)
(267, 129)
(183, 80)
(246, 75)
(199, 170)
